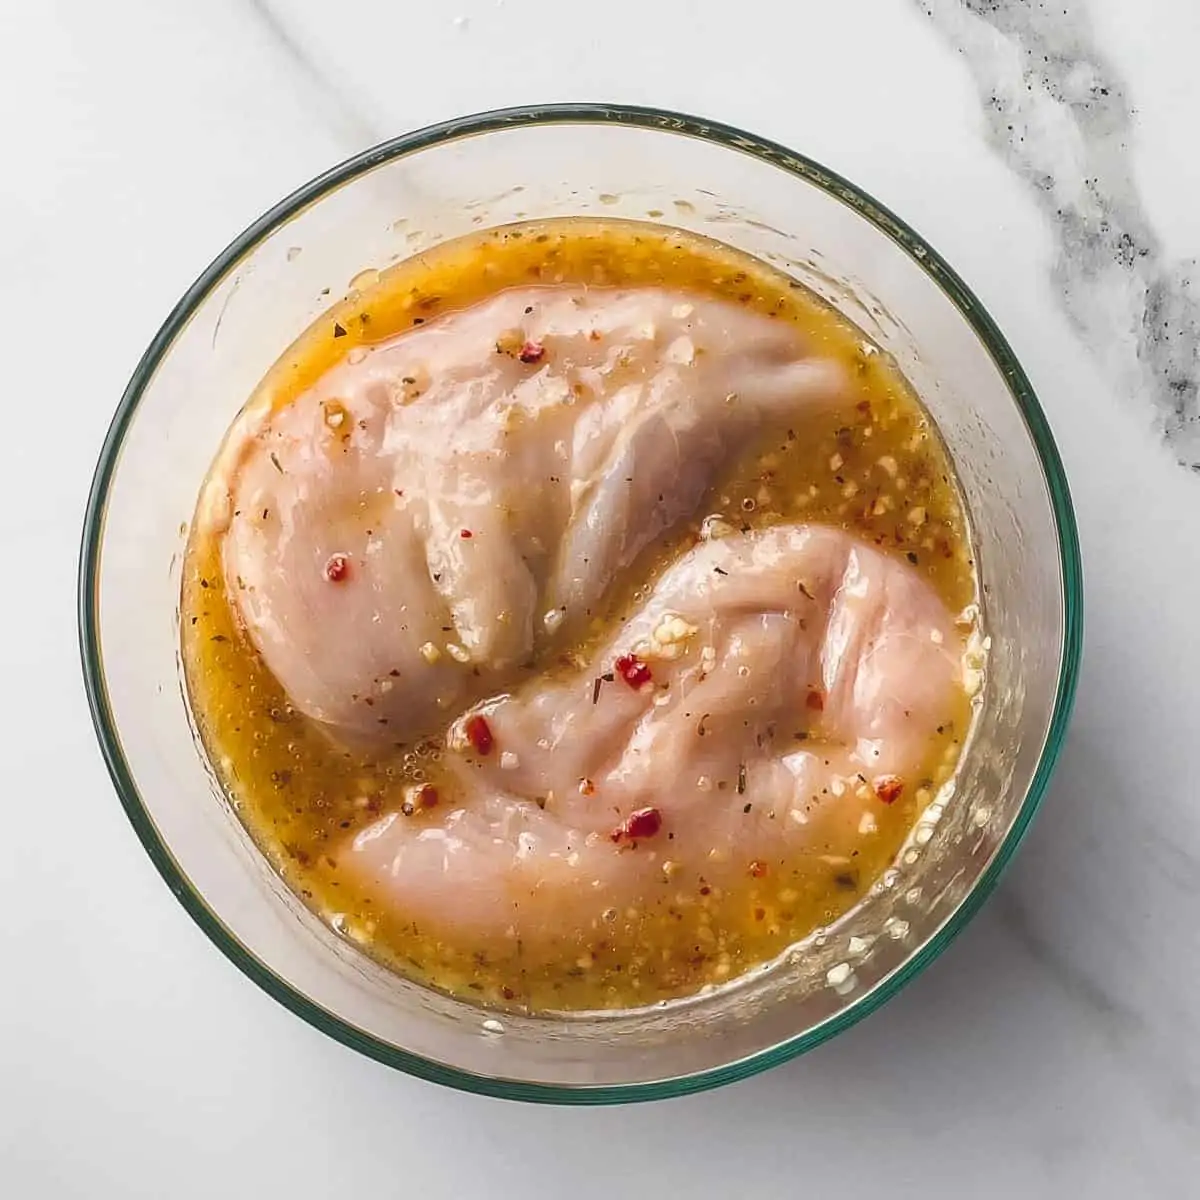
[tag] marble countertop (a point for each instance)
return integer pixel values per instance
(1048, 152)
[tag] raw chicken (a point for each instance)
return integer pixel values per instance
(409, 531)
(774, 691)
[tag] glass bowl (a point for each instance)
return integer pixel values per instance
(444, 181)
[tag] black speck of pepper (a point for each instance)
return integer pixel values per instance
(275, 462)
(418, 320)
(741, 784)
(338, 330)
(720, 570)
(747, 807)
(912, 558)
(596, 688)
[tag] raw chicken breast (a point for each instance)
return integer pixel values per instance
(774, 691)
(407, 532)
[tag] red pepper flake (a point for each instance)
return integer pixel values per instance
(643, 823)
(479, 734)
(587, 787)
(465, 533)
(888, 788)
(531, 352)
(815, 700)
(337, 568)
(425, 796)
(758, 869)
(633, 670)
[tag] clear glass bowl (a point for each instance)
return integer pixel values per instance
(444, 181)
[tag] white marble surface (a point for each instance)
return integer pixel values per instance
(1050, 156)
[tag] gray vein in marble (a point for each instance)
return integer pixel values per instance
(1117, 1019)
(1058, 115)
(1150, 1053)
(342, 109)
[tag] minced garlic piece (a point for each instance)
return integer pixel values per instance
(669, 638)
(682, 350)
(973, 661)
(715, 527)
(839, 975)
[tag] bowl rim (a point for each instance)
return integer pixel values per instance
(923, 255)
